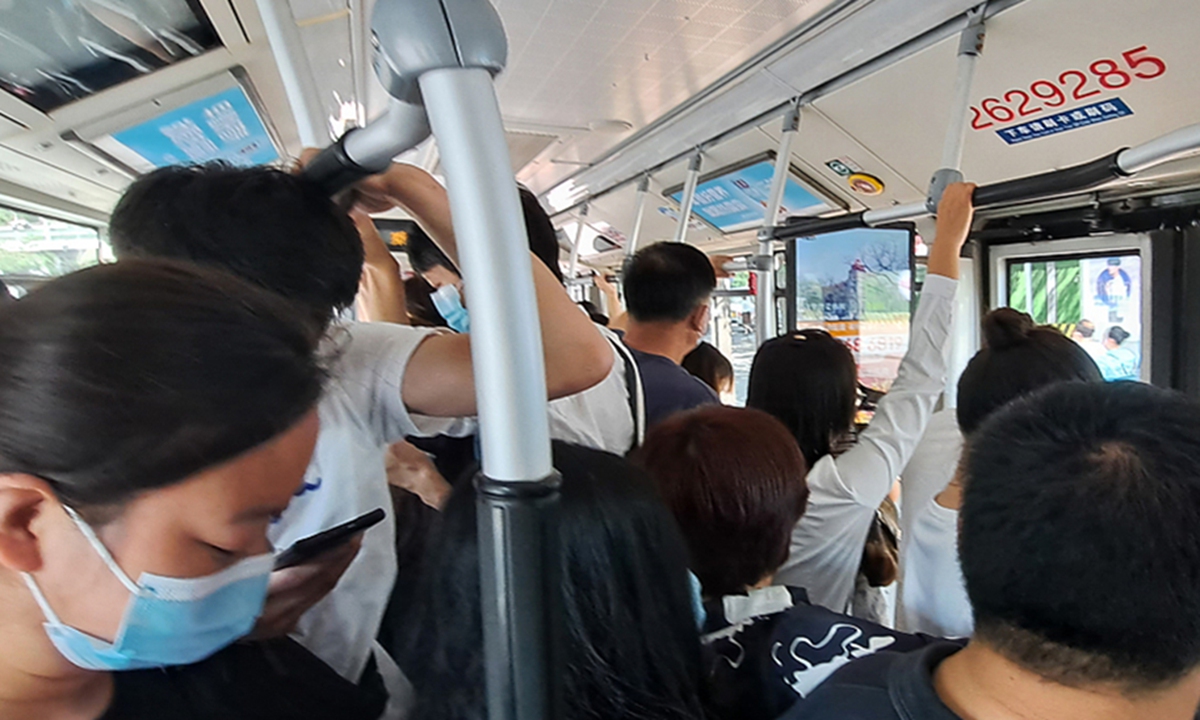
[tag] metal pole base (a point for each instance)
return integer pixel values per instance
(519, 562)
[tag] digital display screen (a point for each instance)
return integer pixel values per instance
(1096, 301)
(857, 285)
(52, 53)
(223, 127)
(737, 200)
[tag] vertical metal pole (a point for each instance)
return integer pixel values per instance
(764, 303)
(689, 197)
(573, 265)
(518, 490)
(643, 189)
(294, 70)
(970, 45)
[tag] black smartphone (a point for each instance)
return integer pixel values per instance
(310, 547)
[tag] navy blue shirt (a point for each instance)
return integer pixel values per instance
(883, 686)
(770, 649)
(669, 388)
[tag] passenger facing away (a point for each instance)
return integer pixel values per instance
(154, 418)
(1119, 361)
(710, 365)
(808, 380)
(1079, 548)
(630, 646)
(1018, 358)
(734, 480)
(667, 288)
(602, 416)
(284, 234)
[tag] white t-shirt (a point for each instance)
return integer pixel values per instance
(361, 412)
(933, 598)
(844, 492)
(599, 417)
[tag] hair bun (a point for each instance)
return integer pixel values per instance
(1006, 327)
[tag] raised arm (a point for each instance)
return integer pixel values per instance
(381, 294)
(439, 379)
(885, 447)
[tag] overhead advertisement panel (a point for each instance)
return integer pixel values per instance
(223, 127)
(737, 200)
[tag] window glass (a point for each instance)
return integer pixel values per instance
(1097, 301)
(32, 247)
(857, 285)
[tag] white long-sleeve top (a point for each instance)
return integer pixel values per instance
(844, 492)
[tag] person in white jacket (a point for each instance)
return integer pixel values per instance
(808, 380)
(1018, 358)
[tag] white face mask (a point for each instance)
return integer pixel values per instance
(168, 621)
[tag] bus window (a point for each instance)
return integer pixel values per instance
(1094, 295)
(857, 285)
(731, 330)
(34, 248)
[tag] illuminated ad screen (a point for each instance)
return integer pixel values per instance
(737, 200)
(1096, 301)
(223, 127)
(857, 285)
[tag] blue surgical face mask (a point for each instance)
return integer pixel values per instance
(448, 302)
(168, 621)
(697, 600)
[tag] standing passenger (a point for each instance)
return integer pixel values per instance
(667, 287)
(734, 480)
(808, 380)
(1080, 552)
(154, 419)
(283, 233)
(710, 365)
(630, 647)
(1017, 359)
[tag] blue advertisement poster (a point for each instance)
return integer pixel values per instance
(737, 200)
(222, 127)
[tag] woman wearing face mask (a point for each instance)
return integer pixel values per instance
(153, 420)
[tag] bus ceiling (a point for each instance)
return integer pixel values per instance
(599, 98)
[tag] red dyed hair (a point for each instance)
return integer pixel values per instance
(735, 481)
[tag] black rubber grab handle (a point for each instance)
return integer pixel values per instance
(333, 170)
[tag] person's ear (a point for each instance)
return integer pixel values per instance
(698, 320)
(22, 499)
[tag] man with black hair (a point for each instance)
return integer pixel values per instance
(388, 381)
(605, 416)
(667, 289)
(1080, 553)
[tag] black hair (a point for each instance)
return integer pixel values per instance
(128, 377)
(1086, 328)
(543, 238)
(709, 364)
(419, 304)
(1078, 537)
(809, 381)
(631, 644)
(1018, 357)
(1117, 334)
(275, 229)
(425, 255)
(666, 282)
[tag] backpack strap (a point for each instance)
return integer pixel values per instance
(635, 391)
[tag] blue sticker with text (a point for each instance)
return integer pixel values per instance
(1064, 121)
(222, 127)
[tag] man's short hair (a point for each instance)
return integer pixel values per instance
(270, 227)
(1079, 541)
(667, 281)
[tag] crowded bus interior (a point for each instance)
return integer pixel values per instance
(589, 359)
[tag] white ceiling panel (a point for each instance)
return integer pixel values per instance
(901, 112)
